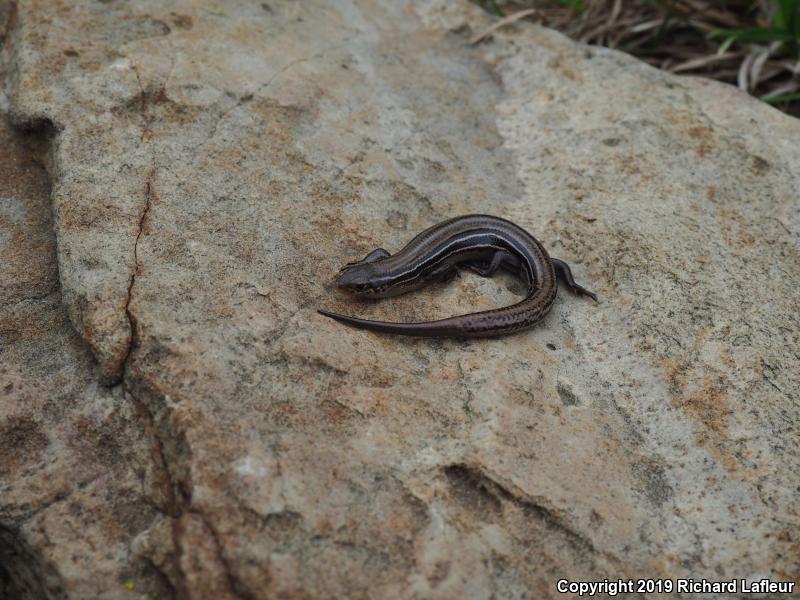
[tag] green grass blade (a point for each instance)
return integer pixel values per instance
(779, 98)
(576, 5)
(755, 35)
(786, 15)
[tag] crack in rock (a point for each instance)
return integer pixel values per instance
(247, 98)
(233, 585)
(132, 321)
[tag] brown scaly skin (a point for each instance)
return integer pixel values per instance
(480, 242)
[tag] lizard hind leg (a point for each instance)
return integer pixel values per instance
(565, 274)
(500, 259)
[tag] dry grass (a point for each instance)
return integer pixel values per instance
(750, 44)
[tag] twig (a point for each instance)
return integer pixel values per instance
(703, 61)
(501, 23)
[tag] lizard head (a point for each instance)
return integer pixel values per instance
(363, 277)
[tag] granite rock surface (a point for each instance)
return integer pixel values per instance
(79, 477)
(214, 163)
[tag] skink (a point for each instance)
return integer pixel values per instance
(481, 243)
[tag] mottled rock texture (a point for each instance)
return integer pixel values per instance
(214, 163)
(78, 476)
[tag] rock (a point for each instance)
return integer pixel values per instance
(213, 166)
(75, 463)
